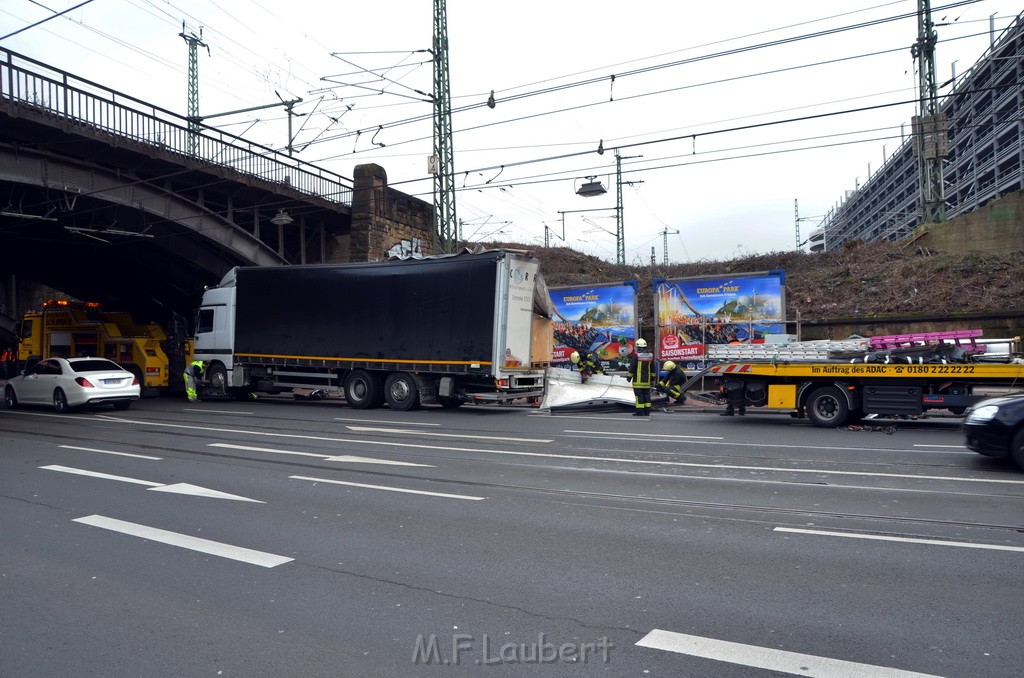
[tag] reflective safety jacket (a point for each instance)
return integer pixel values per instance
(641, 365)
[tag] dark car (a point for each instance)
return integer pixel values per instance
(995, 427)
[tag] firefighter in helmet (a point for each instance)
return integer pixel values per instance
(672, 383)
(641, 365)
(587, 363)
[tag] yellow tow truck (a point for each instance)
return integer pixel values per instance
(66, 328)
(834, 393)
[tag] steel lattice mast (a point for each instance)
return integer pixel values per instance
(194, 42)
(443, 160)
(930, 132)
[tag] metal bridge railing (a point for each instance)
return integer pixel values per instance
(27, 85)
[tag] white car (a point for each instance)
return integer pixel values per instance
(66, 383)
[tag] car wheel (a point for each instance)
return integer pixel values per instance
(1017, 449)
(363, 390)
(827, 408)
(60, 402)
(401, 392)
(10, 398)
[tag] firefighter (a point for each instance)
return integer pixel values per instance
(672, 383)
(641, 364)
(193, 375)
(587, 363)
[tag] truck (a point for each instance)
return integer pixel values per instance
(843, 389)
(67, 328)
(446, 330)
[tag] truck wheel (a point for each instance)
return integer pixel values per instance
(10, 398)
(401, 392)
(363, 390)
(217, 380)
(137, 373)
(1017, 449)
(827, 408)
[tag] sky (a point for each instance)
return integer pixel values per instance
(730, 120)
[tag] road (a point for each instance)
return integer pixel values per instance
(285, 538)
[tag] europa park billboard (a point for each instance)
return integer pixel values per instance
(694, 312)
(599, 318)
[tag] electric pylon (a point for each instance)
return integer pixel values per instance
(194, 42)
(443, 161)
(931, 142)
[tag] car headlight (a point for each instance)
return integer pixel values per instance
(983, 413)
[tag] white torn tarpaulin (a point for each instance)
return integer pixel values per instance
(564, 390)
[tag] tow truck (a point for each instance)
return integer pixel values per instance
(893, 375)
(65, 328)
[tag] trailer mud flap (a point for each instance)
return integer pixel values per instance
(892, 400)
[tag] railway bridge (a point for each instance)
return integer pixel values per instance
(108, 198)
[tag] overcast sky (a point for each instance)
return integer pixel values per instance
(723, 113)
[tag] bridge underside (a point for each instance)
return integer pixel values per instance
(139, 232)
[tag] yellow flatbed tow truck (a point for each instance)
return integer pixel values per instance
(835, 393)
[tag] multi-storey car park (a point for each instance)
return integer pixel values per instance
(985, 113)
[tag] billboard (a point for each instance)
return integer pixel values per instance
(599, 318)
(693, 312)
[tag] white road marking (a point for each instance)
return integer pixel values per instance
(209, 411)
(352, 459)
(549, 455)
(176, 488)
(389, 489)
(214, 548)
(367, 429)
(650, 435)
(951, 447)
(768, 658)
(267, 449)
(341, 458)
(120, 454)
(97, 474)
(906, 540)
(383, 421)
(197, 491)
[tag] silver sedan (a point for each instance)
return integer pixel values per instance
(67, 383)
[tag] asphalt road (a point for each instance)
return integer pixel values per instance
(284, 538)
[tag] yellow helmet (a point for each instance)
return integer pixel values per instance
(575, 357)
(669, 365)
(641, 343)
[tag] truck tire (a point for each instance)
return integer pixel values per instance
(137, 373)
(827, 407)
(363, 390)
(401, 392)
(216, 381)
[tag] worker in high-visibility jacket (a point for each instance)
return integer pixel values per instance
(587, 363)
(193, 374)
(672, 383)
(641, 366)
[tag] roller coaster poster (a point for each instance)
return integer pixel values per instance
(694, 312)
(601, 319)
